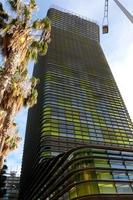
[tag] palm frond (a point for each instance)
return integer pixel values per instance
(33, 54)
(26, 13)
(47, 22)
(3, 14)
(38, 24)
(32, 98)
(42, 23)
(32, 4)
(35, 81)
(41, 47)
(13, 4)
(44, 48)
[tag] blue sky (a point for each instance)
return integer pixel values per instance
(117, 46)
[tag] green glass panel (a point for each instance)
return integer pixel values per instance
(106, 188)
(55, 133)
(54, 129)
(72, 193)
(101, 163)
(77, 128)
(76, 120)
(104, 175)
(45, 154)
(78, 136)
(86, 138)
(84, 176)
(78, 132)
(46, 129)
(87, 189)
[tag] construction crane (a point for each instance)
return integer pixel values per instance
(105, 24)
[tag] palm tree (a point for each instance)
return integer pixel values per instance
(21, 92)
(21, 40)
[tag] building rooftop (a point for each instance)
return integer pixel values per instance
(72, 13)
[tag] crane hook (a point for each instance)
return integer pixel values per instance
(105, 23)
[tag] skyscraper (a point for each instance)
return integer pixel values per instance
(79, 137)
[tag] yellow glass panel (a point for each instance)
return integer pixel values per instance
(45, 154)
(46, 129)
(68, 115)
(55, 129)
(120, 142)
(55, 133)
(78, 132)
(104, 175)
(78, 136)
(73, 193)
(126, 142)
(75, 120)
(77, 128)
(86, 138)
(69, 119)
(101, 163)
(87, 175)
(107, 188)
(87, 189)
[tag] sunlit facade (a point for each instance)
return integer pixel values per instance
(79, 138)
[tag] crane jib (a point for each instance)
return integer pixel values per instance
(124, 10)
(105, 24)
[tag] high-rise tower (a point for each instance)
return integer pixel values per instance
(79, 138)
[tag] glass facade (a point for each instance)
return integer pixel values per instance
(79, 135)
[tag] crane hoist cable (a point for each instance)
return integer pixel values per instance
(105, 23)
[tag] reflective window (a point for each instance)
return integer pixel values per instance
(130, 174)
(117, 164)
(120, 175)
(123, 188)
(129, 165)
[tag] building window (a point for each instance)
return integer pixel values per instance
(106, 188)
(123, 188)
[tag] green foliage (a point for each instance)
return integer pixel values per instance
(43, 48)
(13, 4)
(40, 47)
(32, 4)
(35, 81)
(26, 12)
(40, 24)
(3, 14)
(32, 98)
(33, 54)
(47, 23)
(19, 39)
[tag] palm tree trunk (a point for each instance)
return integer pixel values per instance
(1, 162)
(16, 54)
(10, 68)
(6, 125)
